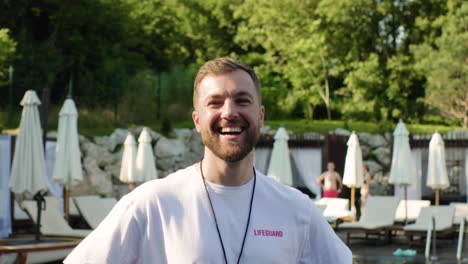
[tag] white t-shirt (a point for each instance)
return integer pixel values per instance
(170, 221)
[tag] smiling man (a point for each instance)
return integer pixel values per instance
(220, 210)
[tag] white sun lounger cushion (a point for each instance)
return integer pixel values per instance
(443, 218)
(379, 213)
(414, 207)
(94, 209)
(52, 222)
(53, 201)
(335, 207)
(461, 212)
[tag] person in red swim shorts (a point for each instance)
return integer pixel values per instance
(330, 181)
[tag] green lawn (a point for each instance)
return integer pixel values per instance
(98, 123)
(324, 126)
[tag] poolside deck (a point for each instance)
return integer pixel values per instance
(379, 252)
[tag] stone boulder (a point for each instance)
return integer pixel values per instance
(183, 134)
(383, 156)
(364, 139)
(195, 143)
(374, 167)
(341, 132)
(107, 142)
(113, 169)
(100, 154)
(365, 150)
(118, 136)
(136, 131)
(100, 180)
(377, 141)
(165, 164)
(167, 148)
(82, 139)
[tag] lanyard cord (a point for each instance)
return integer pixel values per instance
(216, 221)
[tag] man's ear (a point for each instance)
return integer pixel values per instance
(262, 116)
(196, 120)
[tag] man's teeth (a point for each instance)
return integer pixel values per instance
(231, 130)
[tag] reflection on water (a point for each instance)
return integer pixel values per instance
(401, 260)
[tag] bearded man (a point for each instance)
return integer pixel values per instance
(220, 210)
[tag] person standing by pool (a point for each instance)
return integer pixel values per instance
(365, 188)
(220, 210)
(330, 181)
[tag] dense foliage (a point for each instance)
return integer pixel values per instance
(368, 60)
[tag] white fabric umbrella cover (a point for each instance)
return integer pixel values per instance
(280, 163)
(28, 174)
(67, 167)
(403, 170)
(436, 170)
(353, 175)
(145, 162)
(128, 165)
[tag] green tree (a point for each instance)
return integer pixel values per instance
(7, 50)
(444, 63)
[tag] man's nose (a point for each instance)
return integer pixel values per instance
(229, 110)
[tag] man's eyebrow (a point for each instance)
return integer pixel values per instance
(242, 93)
(214, 96)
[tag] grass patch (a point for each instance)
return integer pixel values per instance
(325, 126)
(98, 122)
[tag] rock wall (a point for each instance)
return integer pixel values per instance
(376, 153)
(101, 158)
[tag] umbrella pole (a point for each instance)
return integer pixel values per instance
(437, 197)
(131, 186)
(66, 202)
(353, 207)
(406, 204)
(39, 200)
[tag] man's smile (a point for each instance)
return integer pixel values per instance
(230, 130)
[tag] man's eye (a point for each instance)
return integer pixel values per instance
(243, 101)
(215, 103)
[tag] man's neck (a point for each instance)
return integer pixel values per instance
(225, 173)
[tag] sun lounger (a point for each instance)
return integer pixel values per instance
(378, 216)
(53, 201)
(443, 219)
(414, 207)
(52, 221)
(443, 216)
(94, 209)
(461, 212)
(19, 213)
(335, 208)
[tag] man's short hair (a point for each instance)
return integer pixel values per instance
(221, 66)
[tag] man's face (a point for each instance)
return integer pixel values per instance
(228, 114)
(331, 166)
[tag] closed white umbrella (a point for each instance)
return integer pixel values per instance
(128, 165)
(280, 164)
(403, 170)
(145, 162)
(67, 168)
(353, 175)
(437, 178)
(28, 173)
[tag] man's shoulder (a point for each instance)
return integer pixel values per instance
(282, 192)
(170, 185)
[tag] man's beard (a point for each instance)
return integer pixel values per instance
(235, 151)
